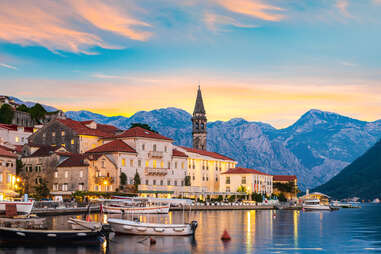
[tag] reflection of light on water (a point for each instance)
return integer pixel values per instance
(250, 226)
(104, 247)
(104, 218)
(170, 217)
(296, 223)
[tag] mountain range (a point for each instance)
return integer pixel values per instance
(359, 179)
(315, 148)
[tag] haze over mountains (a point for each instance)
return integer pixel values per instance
(315, 148)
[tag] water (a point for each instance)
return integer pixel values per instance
(343, 231)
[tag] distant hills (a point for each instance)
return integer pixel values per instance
(362, 178)
(315, 148)
(31, 104)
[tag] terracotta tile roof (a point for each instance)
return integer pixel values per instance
(17, 148)
(207, 153)
(244, 171)
(44, 151)
(75, 160)
(103, 127)
(284, 178)
(178, 153)
(113, 146)
(142, 133)
(81, 129)
(5, 153)
(13, 127)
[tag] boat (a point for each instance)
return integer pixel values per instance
(340, 204)
(315, 205)
(122, 206)
(22, 207)
(376, 201)
(151, 229)
(52, 237)
(77, 224)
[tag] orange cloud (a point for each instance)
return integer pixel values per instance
(59, 25)
(253, 8)
(342, 6)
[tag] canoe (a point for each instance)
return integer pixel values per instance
(157, 229)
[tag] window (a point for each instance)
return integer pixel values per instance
(175, 183)
(22, 139)
(176, 164)
(243, 180)
(182, 165)
(38, 180)
(154, 182)
(17, 139)
(147, 183)
(194, 178)
(44, 135)
(161, 182)
(139, 163)
(9, 178)
(81, 173)
(123, 162)
(66, 174)
(161, 164)
(182, 183)
(227, 189)
(143, 147)
(1, 178)
(103, 164)
(56, 174)
(98, 174)
(147, 163)
(62, 133)
(131, 163)
(55, 187)
(53, 134)
(154, 148)
(80, 187)
(173, 172)
(72, 141)
(228, 180)
(165, 148)
(154, 164)
(169, 182)
(169, 164)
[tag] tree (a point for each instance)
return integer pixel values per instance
(6, 114)
(41, 191)
(187, 181)
(242, 189)
(257, 197)
(22, 108)
(144, 126)
(282, 198)
(37, 112)
(19, 166)
(136, 180)
(123, 179)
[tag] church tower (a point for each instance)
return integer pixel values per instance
(199, 123)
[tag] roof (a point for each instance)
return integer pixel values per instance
(103, 127)
(75, 160)
(207, 153)
(44, 151)
(284, 178)
(178, 153)
(17, 148)
(113, 146)
(244, 171)
(199, 106)
(5, 153)
(13, 127)
(81, 129)
(142, 133)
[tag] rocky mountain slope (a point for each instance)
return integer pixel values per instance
(315, 148)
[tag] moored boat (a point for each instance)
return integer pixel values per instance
(315, 205)
(77, 224)
(115, 208)
(156, 229)
(22, 207)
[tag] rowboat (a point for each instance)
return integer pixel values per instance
(52, 237)
(22, 207)
(155, 229)
(77, 224)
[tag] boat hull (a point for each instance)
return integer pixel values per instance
(316, 208)
(137, 228)
(136, 210)
(22, 207)
(49, 237)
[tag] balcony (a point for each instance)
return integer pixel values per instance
(104, 180)
(155, 154)
(155, 171)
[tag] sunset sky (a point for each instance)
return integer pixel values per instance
(262, 60)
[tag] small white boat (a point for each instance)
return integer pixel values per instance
(376, 201)
(340, 204)
(154, 209)
(22, 207)
(157, 229)
(77, 224)
(315, 205)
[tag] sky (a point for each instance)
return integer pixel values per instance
(262, 60)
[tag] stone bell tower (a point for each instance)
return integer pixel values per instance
(199, 123)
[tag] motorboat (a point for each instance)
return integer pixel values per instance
(155, 229)
(52, 237)
(22, 207)
(77, 224)
(122, 206)
(339, 204)
(315, 205)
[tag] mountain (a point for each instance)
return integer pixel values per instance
(361, 178)
(31, 104)
(315, 148)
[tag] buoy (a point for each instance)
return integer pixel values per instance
(152, 241)
(225, 236)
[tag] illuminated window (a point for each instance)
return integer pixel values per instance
(81, 173)
(147, 163)
(53, 134)
(17, 139)
(64, 187)
(1, 178)
(154, 164)
(182, 165)
(162, 164)
(80, 187)
(62, 133)
(123, 162)
(72, 141)
(131, 163)
(66, 174)
(56, 174)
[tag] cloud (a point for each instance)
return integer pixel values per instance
(376, 1)
(8, 66)
(342, 6)
(67, 25)
(252, 8)
(213, 21)
(349, 64)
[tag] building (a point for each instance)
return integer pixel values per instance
(204, 167)
(93, 172)
(8, 181)
(14, 135)
(75, 136)
(253, 180)
(153, 156)
(22, 118)
(199, 122)
(286, 184)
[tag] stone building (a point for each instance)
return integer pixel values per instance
(8, 180)
(21, 118)
(75, 136)
(199, 122)
(14, 135)
(253, 180)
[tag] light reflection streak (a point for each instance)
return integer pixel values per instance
(296, 224)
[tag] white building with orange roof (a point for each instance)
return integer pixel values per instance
(13, 135)
(7, 174)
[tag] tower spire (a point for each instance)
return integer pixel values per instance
(199, 106)
(199, 123)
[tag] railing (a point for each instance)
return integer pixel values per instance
(155, 154)
(156, 171)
